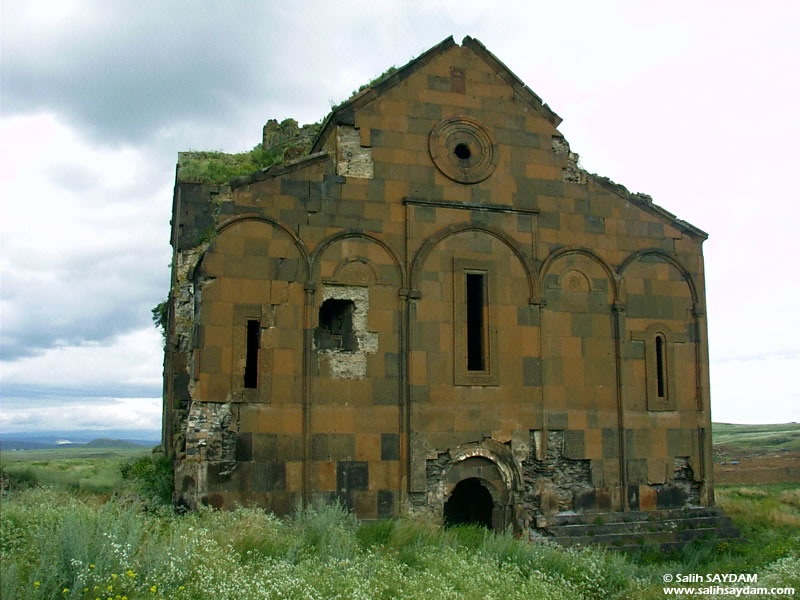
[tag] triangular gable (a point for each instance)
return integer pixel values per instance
(344, 114)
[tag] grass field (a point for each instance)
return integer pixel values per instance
(90, 469)
(755, 440)
(67, 541)
(756, 454)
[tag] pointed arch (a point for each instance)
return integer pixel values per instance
(442, 234)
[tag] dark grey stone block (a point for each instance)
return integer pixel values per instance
(390, 446)
(352, 475)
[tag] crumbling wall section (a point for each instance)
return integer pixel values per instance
(555, 483)
(211, 429)
(681, 489)
(352, 159)
(572, 172)
(428, 505)
(346, 364)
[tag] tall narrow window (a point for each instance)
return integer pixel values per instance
(251, 356)
(474, 336)
(476, 344)
(661, 366)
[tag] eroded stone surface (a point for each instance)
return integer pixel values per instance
(352, 159)
(344, 364)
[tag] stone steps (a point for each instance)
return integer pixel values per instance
(668, 529)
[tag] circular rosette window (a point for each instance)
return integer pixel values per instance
(463, 148)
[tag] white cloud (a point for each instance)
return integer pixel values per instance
(113, 413)
(125, 365)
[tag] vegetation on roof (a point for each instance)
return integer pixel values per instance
(220, 167)
(282, 141)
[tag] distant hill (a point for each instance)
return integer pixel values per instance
(112, 443)
(6, 445)
(25, 445)
(733, 441)
(38, 440)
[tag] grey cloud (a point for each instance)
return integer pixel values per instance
(124, 70)
(86, 298)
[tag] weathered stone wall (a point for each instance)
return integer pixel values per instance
(556, 483)
(448, 169)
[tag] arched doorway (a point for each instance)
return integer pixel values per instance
(469, 503)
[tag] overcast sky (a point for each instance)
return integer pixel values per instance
(694, 103)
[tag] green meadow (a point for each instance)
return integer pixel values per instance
(97, 525)
(90, 469)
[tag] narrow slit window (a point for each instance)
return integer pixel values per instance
(661, 366)
(476, 343)
(251, 356)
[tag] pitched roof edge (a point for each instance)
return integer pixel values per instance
(515, 82)
(344, 114)
(645, 202)
(279, 169)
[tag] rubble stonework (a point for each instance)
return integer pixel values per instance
(429, 308)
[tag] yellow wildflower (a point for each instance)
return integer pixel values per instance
(181, 587)
(130, 574)
(110, 588)
(153, 588)
(36, 584)
(91, 566)
(65, 591)
(114, 576)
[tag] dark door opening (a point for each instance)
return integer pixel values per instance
(470, 503)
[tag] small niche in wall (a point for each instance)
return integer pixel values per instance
(335, 329)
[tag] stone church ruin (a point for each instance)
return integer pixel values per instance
(425, 307)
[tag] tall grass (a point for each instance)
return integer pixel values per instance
(51, 541)
(56, 540)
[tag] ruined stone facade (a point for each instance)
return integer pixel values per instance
(435, 311)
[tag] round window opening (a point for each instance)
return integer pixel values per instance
(463, 149)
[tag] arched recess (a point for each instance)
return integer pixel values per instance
(354, 234)
(658, 290)
(361, 275)
(473, 334)
(298, 243)
(422, 254)
(578, 347)
(662, 309)
(247, 284)
(547, 266)
(660, 254)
